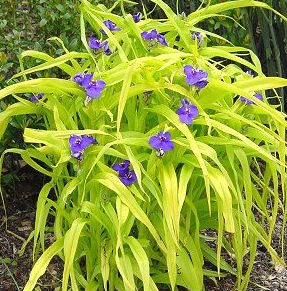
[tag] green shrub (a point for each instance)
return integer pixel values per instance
(219, 173)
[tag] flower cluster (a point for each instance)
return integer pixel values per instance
(78, 144)
(110, 25)
(250, 102)
(37, 97)
(98, 46)
(153, 38)
(93, 88)
(127, 176)
(187, 112)
(196, 77)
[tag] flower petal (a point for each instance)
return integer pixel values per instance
(155, 142)
(167, 146)
(201, 84)
(94, 43)
(189, 70)
(161, 39)
(128, 178)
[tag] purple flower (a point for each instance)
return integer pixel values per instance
(128, 178)
(197, 35)
(110, 25)
(97, 45)
(149, 35)
(195, 77)
(95, 88)
(106, 48)
(250, 102)
(36, 98)
(78, 143)
(137, 17)
(187, 112)
(153, 37)
(161, 141)
(122, 167)
(161, 39)
(83, 79)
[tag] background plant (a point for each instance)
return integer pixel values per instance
(153, 232)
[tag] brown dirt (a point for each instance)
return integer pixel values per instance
(20, 222)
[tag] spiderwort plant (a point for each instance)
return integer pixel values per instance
(98, 46)
(250, 102)
(93, 88)
(187, 112)
(37, 97)
(127, 176)
(110, 25)
(198, 37)
(161, 143)
(78, 144)
(153, 38)
(137, 17)
(154, 222)
(195, 77)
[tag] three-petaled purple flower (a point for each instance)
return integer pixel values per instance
(37, 97)
(97, 45)
(83, 79)
(197, 36)
(161, 143)
(110, 25)
(127, 176)
(187, 112)
(122, 167)
(195, 76)
(153, 37)
(78, 143)
(137, 17)
(93, 88)
(250, 102)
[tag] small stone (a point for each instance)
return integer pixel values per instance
(271, 277)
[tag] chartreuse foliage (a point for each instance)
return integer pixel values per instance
(221, 173)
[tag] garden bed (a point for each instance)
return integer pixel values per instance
(21, 218)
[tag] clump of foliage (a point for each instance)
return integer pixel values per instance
(262, 31)
(153, 139)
